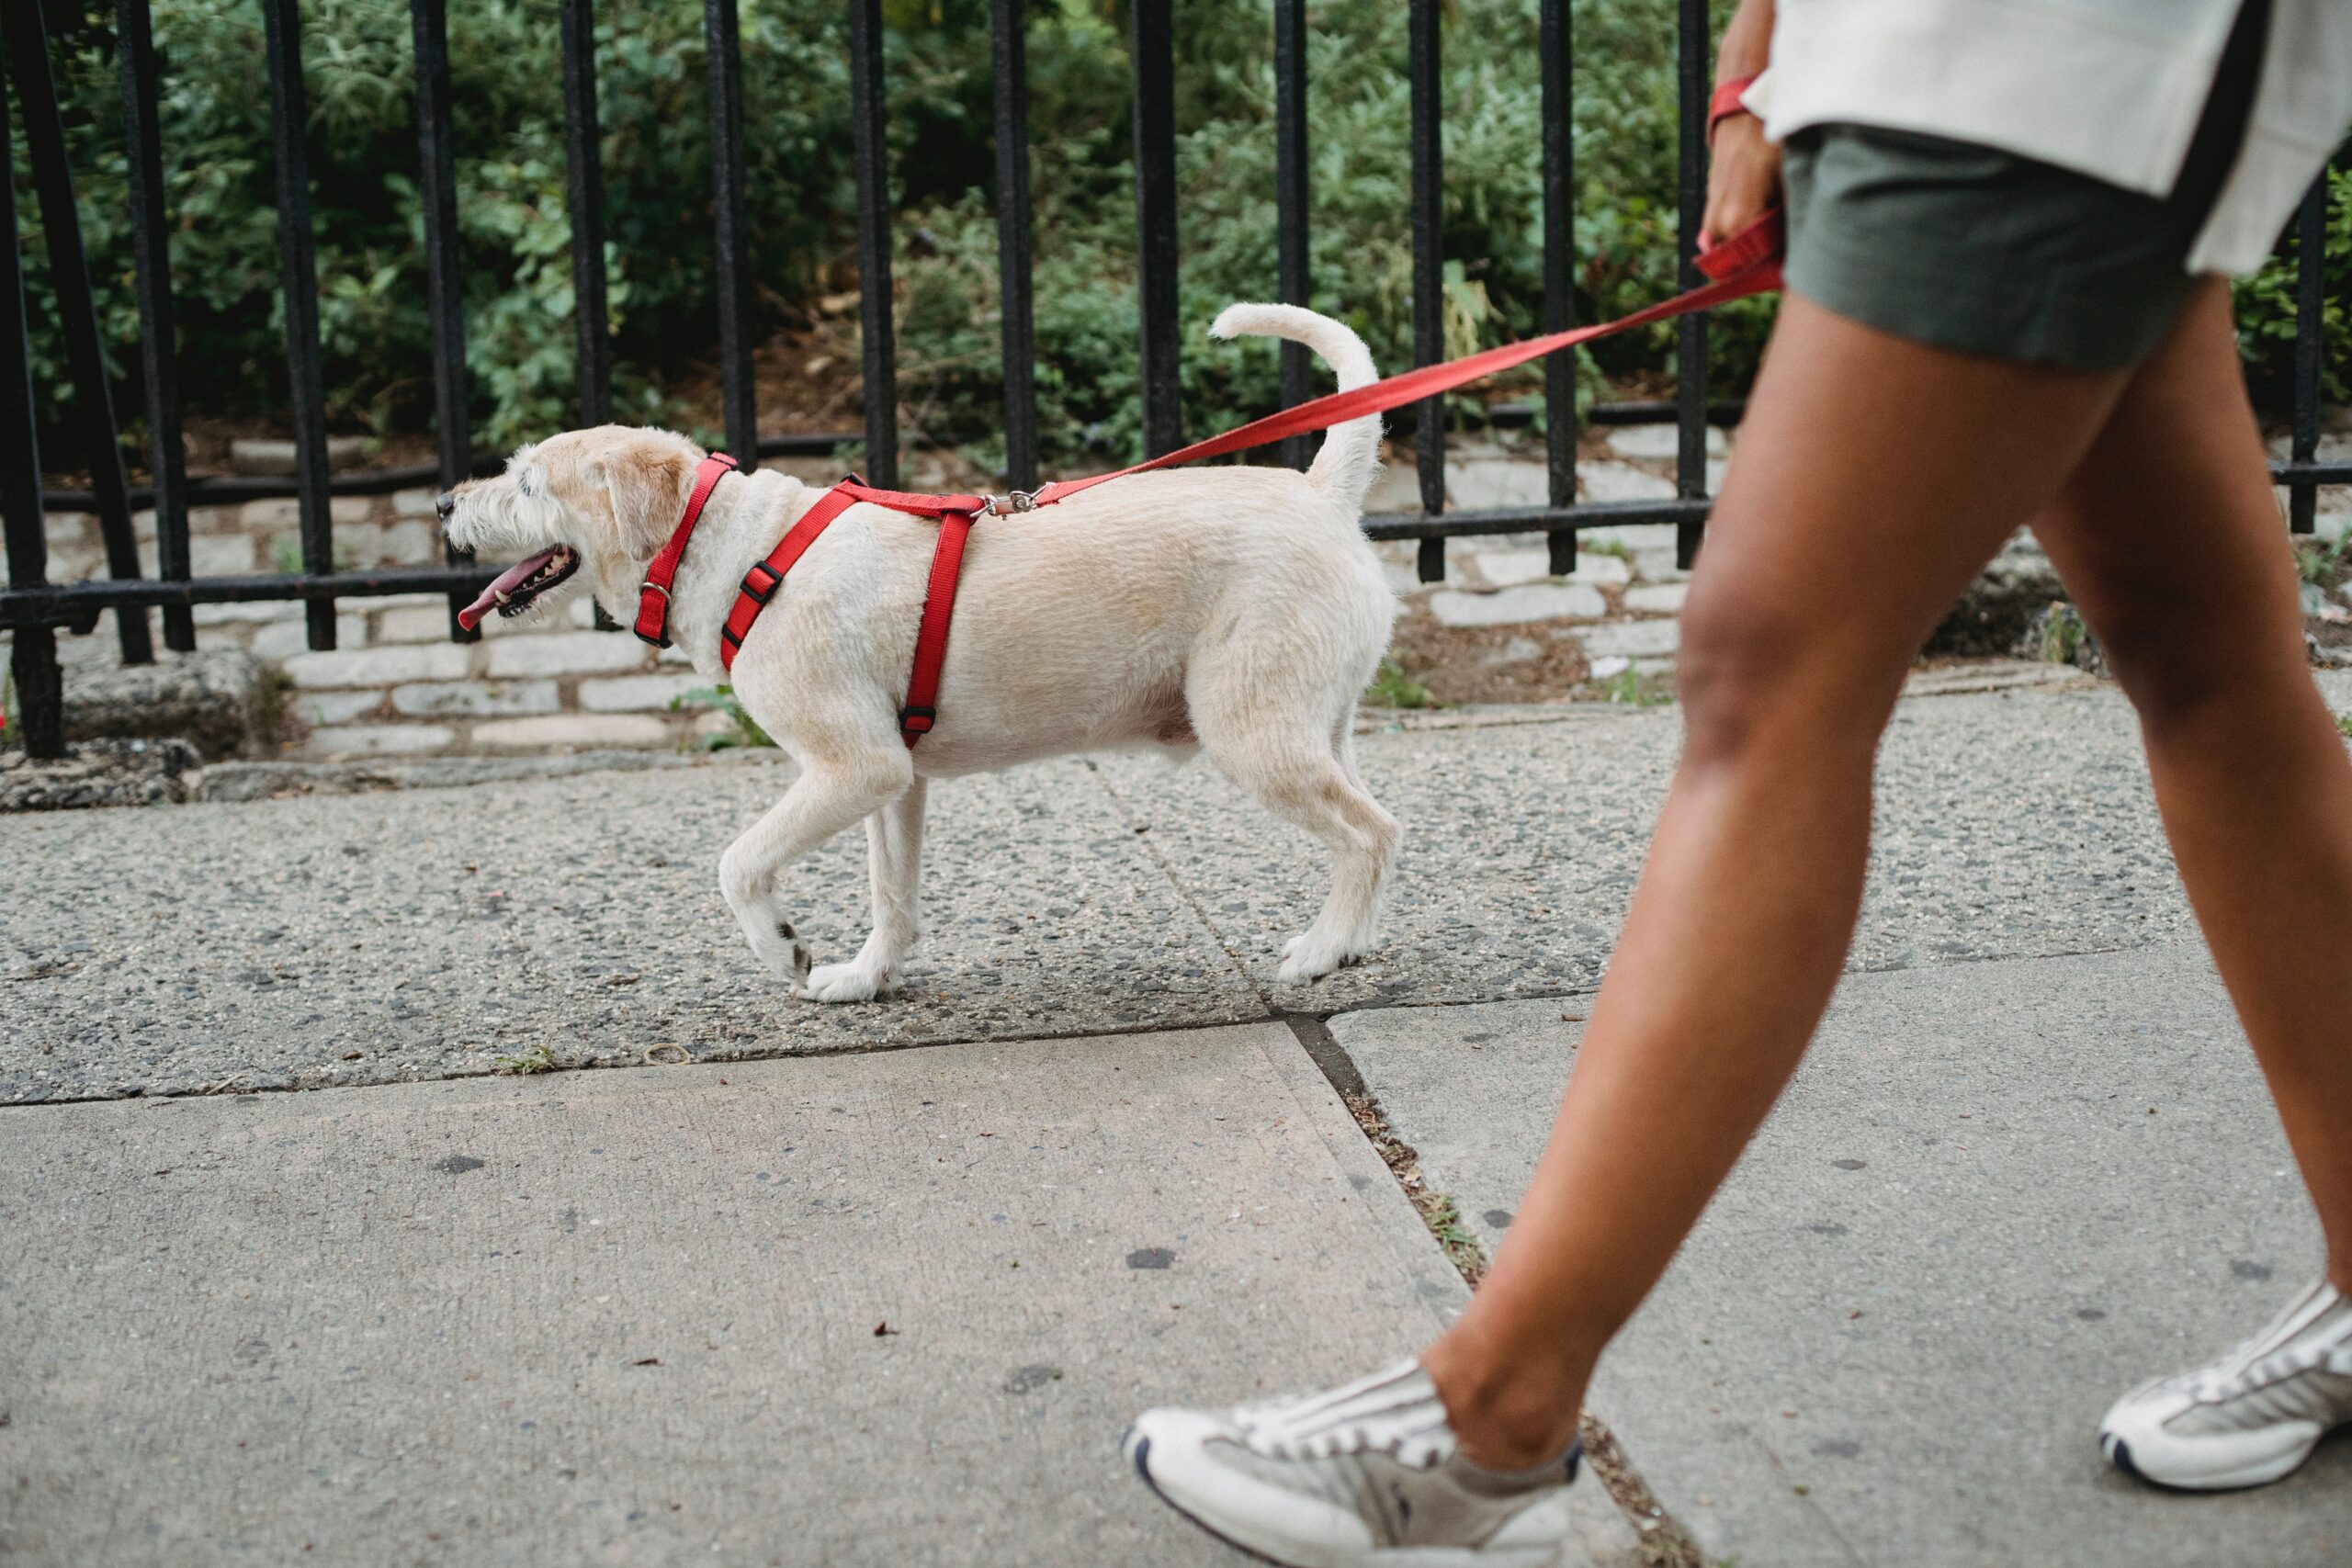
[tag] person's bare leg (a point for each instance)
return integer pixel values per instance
(1875, 477)
(2171, 544)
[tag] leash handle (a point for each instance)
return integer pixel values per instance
(1748, 263)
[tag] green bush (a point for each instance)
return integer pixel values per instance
(516, 229)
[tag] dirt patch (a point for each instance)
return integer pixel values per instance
(1538, 662)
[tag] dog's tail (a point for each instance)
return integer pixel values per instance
(1350, 452)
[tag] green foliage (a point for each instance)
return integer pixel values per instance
(742, 729)
(516, 234)
(2344, 724)
(2265, 306)
(530, 1059)
(2322, 563)
(2061, 633)
(1630, 688)
(1393, 687)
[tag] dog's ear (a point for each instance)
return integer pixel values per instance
(646, 483)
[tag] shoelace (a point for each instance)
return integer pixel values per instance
(2251, 1367)
(1322, 1426)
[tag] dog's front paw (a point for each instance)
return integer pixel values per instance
(1310, 955)
(782, 952)
(843, 983)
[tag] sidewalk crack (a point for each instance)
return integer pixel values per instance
(1665, 1541)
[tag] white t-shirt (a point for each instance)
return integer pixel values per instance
(2112, 88)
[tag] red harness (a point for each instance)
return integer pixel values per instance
(1748, 263)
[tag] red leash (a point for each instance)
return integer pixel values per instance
(1749, 263)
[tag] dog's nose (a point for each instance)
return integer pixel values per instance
(444, 504)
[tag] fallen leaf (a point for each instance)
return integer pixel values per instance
(882, 1330)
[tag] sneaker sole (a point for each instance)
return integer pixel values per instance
(1137, 1448)
(2119, 1453)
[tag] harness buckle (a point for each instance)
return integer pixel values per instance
(760, 592)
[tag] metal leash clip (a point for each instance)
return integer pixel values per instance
(1006, 505)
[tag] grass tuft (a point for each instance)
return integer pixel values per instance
(1393, 688)
(742, 729)
(530, 1059)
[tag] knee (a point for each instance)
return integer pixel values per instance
(1750, 674)
(2179, 670)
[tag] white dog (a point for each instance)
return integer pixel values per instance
(1239, 609)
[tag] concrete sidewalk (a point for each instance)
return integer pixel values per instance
(631, 1317)
(1996, 1196)
(878, 1309)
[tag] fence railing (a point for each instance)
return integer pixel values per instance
(34, 609)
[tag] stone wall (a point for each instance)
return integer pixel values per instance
(394, 683)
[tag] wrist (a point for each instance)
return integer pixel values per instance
(1726, 102)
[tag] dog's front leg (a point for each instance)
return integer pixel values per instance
(820, 803)
(894, 862)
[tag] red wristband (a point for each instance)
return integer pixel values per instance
(1726, 102)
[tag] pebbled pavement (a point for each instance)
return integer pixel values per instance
(407, 934)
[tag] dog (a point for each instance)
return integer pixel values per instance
(1235, 610)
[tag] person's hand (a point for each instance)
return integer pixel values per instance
(1743, 178)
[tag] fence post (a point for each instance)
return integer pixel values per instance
(877, 331)
(444, 291)
(1010, 23)
(2311, 243)
(1429, 266)
(1557, 47)
(584, 186)
(1152, 53)
(78, 316)
(300, 283)
(158, 342)
(32, 653)
(1291, 204)
(1691, 335)
(723, 36)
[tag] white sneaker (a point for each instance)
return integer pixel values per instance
(2250, 1417)
(1364, 1475)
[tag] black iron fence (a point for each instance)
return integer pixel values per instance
(33, 608)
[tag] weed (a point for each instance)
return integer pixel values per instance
(1444, 1222)
(530, 1059)
(2320, 564)
(287, 556)
(273, 710)
(1610, 546)
(1629, 690)
(2063, 631)
(1393, 688)
(742, 729)
(2344, 724)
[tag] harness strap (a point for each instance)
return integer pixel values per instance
(1748, 263)
(920, 711)
(909, 500)
(760, 583)
(653, 599)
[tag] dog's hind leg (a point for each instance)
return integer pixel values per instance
(1306, 780)
(894, 864)
(820, 803)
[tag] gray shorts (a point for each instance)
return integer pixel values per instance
(1965, 247)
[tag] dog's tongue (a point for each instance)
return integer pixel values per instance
(471, 615)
